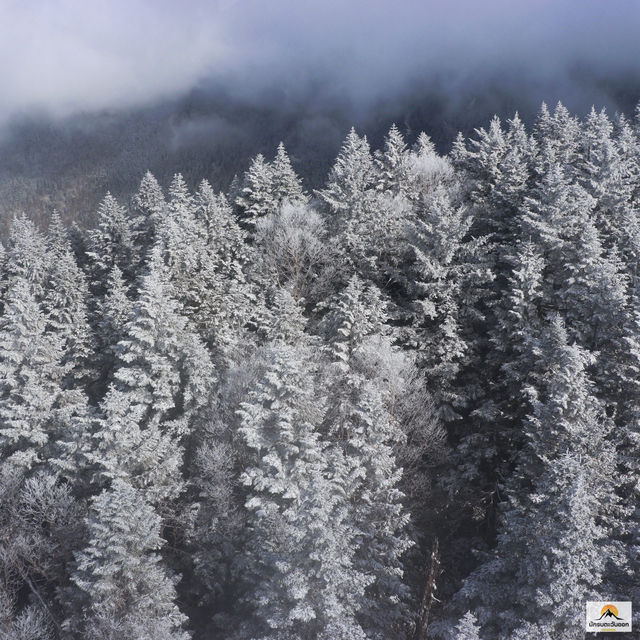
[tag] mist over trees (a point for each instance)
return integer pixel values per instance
(405, 404)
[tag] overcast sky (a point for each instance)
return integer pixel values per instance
(66, 55)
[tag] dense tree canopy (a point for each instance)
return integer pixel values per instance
(284, 414)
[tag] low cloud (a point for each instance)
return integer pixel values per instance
(74, 55)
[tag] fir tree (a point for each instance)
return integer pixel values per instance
(217, 296)
(149, 210)
(66, 306)
(113, 313)
(551, 550)
(467, 628)
(162, 377)
(392, 163)
(257, 198)
(111, 243)
(448, 269)
(367, 436)
(300, 549)
(31, 375)
(286, 185)
(27, 257)
(349, 179)
(126, 592)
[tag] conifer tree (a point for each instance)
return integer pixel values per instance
(178, 234)
(367, 225)
(467, 628)
(352, 175)
(111, 243)
(367, 436)
(286, 185)
(378, 513)
(558, 138)
(392, 163)
(217, 296)
(126, 592)
(162, 377)
(113, 312)
(256, 198)
(31, 376)
(497, 421)
(300, 548)
(66, 305)
(27, 256)
(551, 548)
(357, 312)
(149, 210)
(449, 268)
(584, 282)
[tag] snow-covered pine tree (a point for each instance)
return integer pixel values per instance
(217, 297)
(378, 513)
(558, 138)
(518, 327)
(148, 212)
(467, 628)
(111, 243)
(367, 436)
(485, 454)
(31, 377)
(256, 198)
(352, 315)
(66, 305)
(551, 549)
(27, 256)
(113, 312)
(350, 200)
(392, 163)
(125, 591)
(584, 283)
(285, 184)
(444, 283)
(367, 225)
(351, 176)
(496, 169)
(163, 375)
(300, 544)
(179, 235)
(601, 172)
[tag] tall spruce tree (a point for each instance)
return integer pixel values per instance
(551, 549)
(31, 377)
(300, 546)
(125, 592)
(162, 376)
(367, 435)
(286, 185)
(256, 198)
(449, 266)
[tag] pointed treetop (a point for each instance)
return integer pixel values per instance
(180, 197)
(149, 198)
(286, 184)
(287, 320)
(424, 145)
(58, 236)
